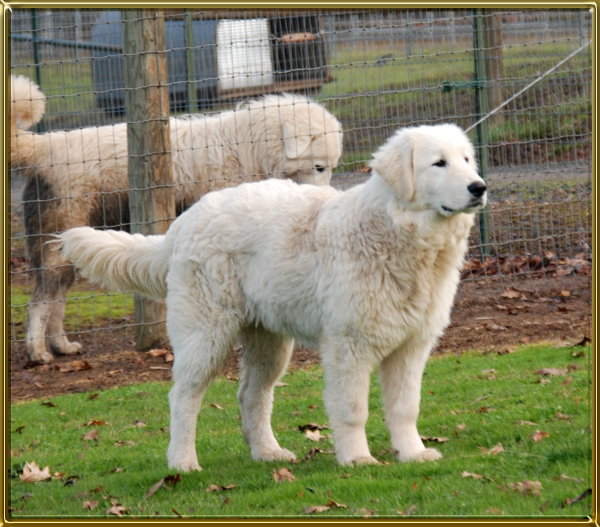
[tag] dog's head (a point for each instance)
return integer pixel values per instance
(432, 167)
(304, 140)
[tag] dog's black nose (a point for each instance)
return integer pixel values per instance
(477, 189)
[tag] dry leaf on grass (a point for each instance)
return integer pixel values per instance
(526, 423)
(461, 427)
(314, 435)
(116, 509)
(564, 477)
(538, 436)
(569, 501)
(283, 474)
(496, 450)
(92, 435)
(466, 474)
(90, 505)
(552, 372)
(311, 426)
(527, 487)
(434, 439)
(33, 473)
(322, 508)
(214, 487)
(215, 405)
(410, 510)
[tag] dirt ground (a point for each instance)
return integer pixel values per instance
(494, 314)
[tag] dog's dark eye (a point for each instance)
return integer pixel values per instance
(467, 159)
(320, 168)
(440, 163)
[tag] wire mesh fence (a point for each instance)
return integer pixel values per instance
(373, 70)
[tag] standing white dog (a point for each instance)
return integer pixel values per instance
(80, 177)
(367, 276)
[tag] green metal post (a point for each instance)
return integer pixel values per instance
(190, 63)
(481, 129)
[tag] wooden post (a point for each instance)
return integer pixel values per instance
(494, 64)
(151, 195)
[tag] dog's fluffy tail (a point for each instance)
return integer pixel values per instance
(27, 107)
(119, 260)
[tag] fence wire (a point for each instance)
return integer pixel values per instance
(375, 70)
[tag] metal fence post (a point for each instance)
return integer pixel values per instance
(481, 129)
(151, 195)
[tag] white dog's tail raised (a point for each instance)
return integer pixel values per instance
(27, 107)
(119, 260)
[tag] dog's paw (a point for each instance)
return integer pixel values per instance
(281, 454)
(70, 349)
(427, 454)
(186, 467)
(39, 358)
(361, 460)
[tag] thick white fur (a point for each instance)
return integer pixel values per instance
(280, 136)
(367, 276)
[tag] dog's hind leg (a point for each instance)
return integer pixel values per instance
(347, 379)
(264, 361)
(46, 308)
(56, 333)
(401, 375)
(202, 334)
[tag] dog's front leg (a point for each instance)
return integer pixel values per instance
(346, 394)
(401, 375)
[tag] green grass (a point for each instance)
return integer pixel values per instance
(456, 391)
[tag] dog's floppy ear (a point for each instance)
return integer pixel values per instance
(296, 139)
(394, 163)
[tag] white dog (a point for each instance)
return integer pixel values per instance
(80, 177)
(367, 276)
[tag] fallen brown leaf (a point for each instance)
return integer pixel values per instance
(585, 494)
(538, 436)
(316, 508)
(157, 352)
(116, 509)
(314, 435)
(283, 474)
(173, 479)
(410, 510)
(461, 427)
(215, 405)
(528, 487)
(466, 474)
(494, 510)
(434, 439)
(564, 477)
(155, 487)
(90, 505)
(311, 426)
(511, 293)
(76, 365)
(33, 473)
(496, 450)
(92, 435)
(553, 372)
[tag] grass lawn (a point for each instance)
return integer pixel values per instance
(477, 401)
